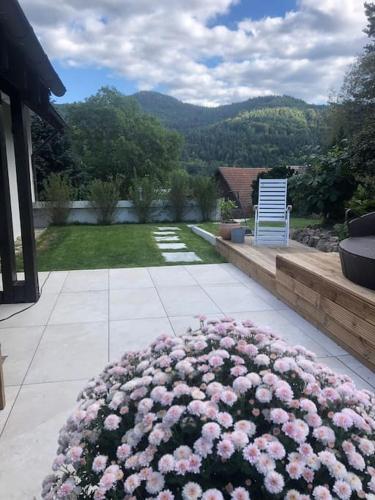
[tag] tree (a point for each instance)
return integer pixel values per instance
(178, 193)
(327, 185)
(354, 112)
(52, 153)
(113, 137)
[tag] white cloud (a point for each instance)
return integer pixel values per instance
(304, 53)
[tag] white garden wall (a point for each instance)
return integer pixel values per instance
(81, 212)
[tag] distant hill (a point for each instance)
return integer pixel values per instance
(262, 131)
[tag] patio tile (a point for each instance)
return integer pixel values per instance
(171, 276)
(359, 368)
(37, 315)
(233, 298)
(10, 397)
(129, 278)
(81, 281)
(136, 303)
(19, 344)
(134, 334)
(298, 320)
(207, 274)
(181, 324)
(339, 367)
(313, 332)
(181, 257)
(55, 282)
(81, 307)
(29, 440)
(70, 352)
(186, 300)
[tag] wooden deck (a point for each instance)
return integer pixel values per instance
(311, 282)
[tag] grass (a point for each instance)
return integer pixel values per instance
(295, 223)
(100, 247)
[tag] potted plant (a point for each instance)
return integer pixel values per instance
(228, 412)
(227, 223)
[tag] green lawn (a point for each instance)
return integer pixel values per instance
(295, 223)
(96, 247)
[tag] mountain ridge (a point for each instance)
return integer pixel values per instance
(182, 116)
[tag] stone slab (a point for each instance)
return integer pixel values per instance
(171, 246)
(169, 228)
(181, 257)
(164, 233)
(167, 238)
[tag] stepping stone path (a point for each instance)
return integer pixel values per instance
(181, 257)
(164, 233)
(167, 238)
(167, 235)
(171, 246)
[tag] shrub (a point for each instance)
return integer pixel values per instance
(58, 192)
(226, 210)
(230, 410)
(341, 231)
(280, 172)
(205, 193)
(103, 197)
(143, 193)
(363, 200)
(327, 185)
(178, 193)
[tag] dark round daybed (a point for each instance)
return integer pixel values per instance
(357, 253)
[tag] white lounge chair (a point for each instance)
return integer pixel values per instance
(272, 207)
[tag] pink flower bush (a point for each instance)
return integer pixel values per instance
(227, 412)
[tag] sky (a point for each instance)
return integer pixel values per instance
(206, 52)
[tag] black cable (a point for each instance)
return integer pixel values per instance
(31, 305)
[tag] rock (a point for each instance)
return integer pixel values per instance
(321, 239)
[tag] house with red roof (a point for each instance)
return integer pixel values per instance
(235, 183)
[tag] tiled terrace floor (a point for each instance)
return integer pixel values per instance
(85, 318)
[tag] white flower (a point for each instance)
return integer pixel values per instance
(191, 491)
(212, 494)
(131, 483)
(155, 483)
(274, 482)
(240, 494)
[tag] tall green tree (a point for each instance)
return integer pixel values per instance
(113, 137)
(52, 153)
(353, 115)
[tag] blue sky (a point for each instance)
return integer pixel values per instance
(207, 52)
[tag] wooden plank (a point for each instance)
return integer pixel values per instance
(354, 344)
(350, 321)
(298, 288)
(296, 300)
(333, 289)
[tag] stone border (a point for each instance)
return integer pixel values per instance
(209, 237)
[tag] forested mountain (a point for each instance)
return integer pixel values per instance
(263, 131)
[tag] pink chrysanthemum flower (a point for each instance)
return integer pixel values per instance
(212, 494)
(274, 482)
(191, 491)
(240, 494)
